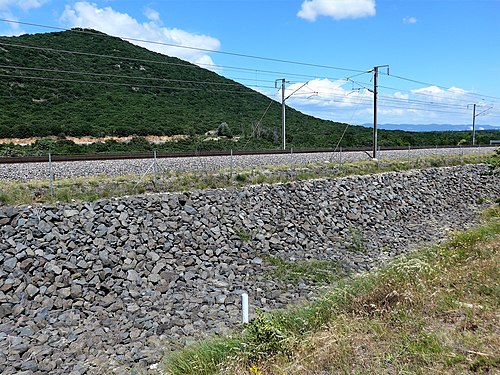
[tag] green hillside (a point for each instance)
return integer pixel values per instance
(112, 87)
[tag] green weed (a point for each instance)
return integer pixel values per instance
(358, 240)
(315, 271)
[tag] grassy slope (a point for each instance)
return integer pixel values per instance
(92, 188)
(435, 311)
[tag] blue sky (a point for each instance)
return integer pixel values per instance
(452, 47)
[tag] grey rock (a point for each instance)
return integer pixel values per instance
(101, 230)
(10, 263)
(64, 292)
(44, 227)
(26, 331)
(76, 291)
(257, 260)
(132, 275)
(70, 213)
(5, 310)
(31, 290)
(29, 365)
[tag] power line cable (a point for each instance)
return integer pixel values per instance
(249, 92)
(259, 122)
(454, 99)
(383, 104)
(236, 68)
(360, 72)
(128, 77)
(453, 104)
(81, 31)
(439, 86)
(186, 64)
(345, 130)
(240, 69)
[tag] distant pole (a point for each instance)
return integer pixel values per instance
(375, 90)
(474, 125)
(283, 115)
(474, 115)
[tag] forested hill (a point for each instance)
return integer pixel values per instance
(82, 82)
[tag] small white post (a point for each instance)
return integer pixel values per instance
(232, 164)
(154, 164)
(340, 156)
(51, 176)
(244, 308)
(409, 149)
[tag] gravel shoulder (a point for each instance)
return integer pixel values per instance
(61, 170)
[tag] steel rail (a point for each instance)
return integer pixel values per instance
(194, 154)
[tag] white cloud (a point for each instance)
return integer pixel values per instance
(7, 8)
(338, 101)
(23, 4)
(31, 4)
(109, 21)
(14, 28)
(336, 9)
(431, 90)
(327, 93)
(438, 95)
(330, 100)
(410, 20)
(152, 14)
(457, 90)
(399, 95)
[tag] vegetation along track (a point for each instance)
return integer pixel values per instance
(34, 168)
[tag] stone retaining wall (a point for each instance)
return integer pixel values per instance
(89, 284)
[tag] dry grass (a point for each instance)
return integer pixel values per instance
(93, 188)
(432, 311)
(445, 323)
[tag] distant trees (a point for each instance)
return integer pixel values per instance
(224, 131)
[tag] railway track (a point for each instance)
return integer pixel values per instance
(67, 166)
(162, 155)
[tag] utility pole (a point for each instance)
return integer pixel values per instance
(283, 101)
(283, 116)
(474, 115)
(283, 139)
(473, 122)
(474, 125)
(375, 92)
